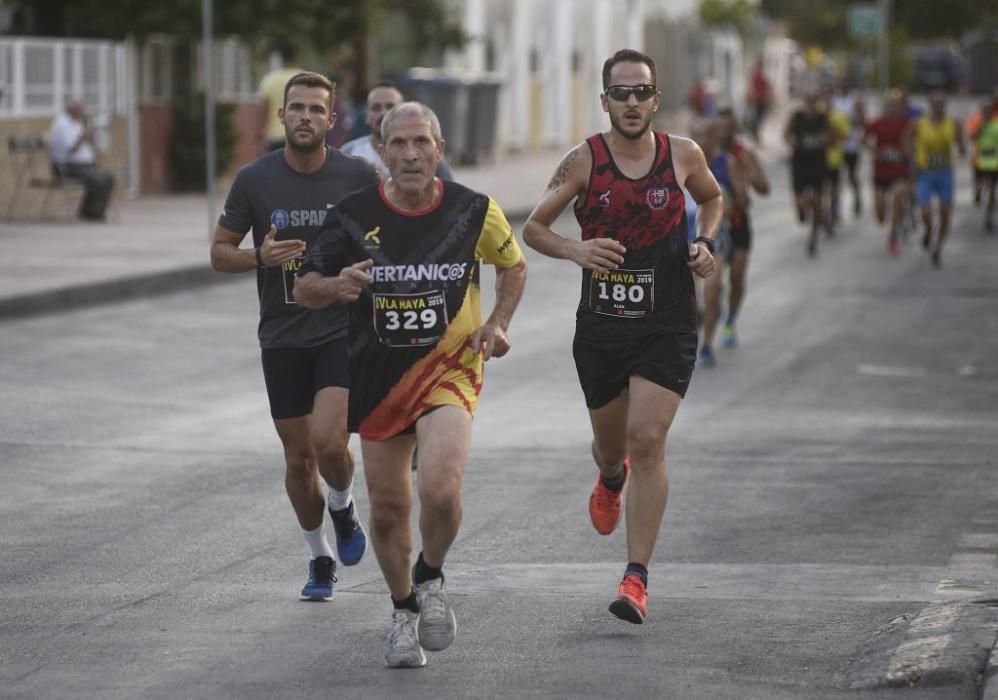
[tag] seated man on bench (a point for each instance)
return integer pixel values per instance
(72, 151)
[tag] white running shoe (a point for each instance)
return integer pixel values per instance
(403, 644)
(437, 624)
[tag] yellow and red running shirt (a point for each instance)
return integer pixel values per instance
(410, 331)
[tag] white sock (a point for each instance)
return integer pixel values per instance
(338, 500)
(317, 544)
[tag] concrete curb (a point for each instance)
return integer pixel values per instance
(990, 689)
(944, 645)
(111, 291)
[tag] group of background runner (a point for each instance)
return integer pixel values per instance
(912, 155)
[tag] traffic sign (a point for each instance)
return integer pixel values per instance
(863, 20)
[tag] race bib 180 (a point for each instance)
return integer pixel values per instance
(410, 320)
(623, 293)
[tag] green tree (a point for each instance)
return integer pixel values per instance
(187, 145)
(824, 23)
(810, 23)
(925, 19)
(323, 26)
(739, 15)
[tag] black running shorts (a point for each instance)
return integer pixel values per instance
(741, 233)
(808, 174)
(832, 175)
(295, 375)
(605, 370)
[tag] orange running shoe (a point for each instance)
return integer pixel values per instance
(604, 504)
(632, 600)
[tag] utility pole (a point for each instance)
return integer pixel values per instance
(884, 48)
(208, 68)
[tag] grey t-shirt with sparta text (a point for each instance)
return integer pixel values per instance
(267, 191)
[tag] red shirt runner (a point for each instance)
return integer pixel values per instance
(890, 159)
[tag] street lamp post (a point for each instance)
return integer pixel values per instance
(208, 68)
(884, 50)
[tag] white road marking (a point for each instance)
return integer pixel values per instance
(720, 581)
(974, 560)
(979, 540)
(889, 371)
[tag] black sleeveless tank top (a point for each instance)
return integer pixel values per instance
(653, 291)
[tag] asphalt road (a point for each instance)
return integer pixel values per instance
(833, 484)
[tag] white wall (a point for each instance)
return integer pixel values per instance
(559, 35)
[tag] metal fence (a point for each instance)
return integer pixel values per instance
(38, 76)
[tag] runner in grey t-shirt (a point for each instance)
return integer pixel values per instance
(268, 192)
(284, 197)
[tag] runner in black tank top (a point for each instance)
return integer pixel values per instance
(807, 134)
(652, 290)
(635, 341)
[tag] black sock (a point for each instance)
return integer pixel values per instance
(423, 572)
(617, 482)
(640, 570)
(410, 603)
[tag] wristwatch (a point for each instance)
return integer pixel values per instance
(708, 242)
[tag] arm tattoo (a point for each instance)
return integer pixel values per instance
(561, 175)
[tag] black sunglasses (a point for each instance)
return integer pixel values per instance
(621, 93)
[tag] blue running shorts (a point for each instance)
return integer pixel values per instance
(938, 182)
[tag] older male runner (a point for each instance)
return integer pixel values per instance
(636, 332)
(407, 253)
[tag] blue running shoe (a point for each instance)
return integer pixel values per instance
(321, 577)
(351, 540)
(707, 357)
(728, 336)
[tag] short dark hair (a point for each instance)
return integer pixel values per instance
(310, 79)
(628, 56)
(389, 84)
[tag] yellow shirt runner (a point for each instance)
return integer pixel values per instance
(934, 143)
